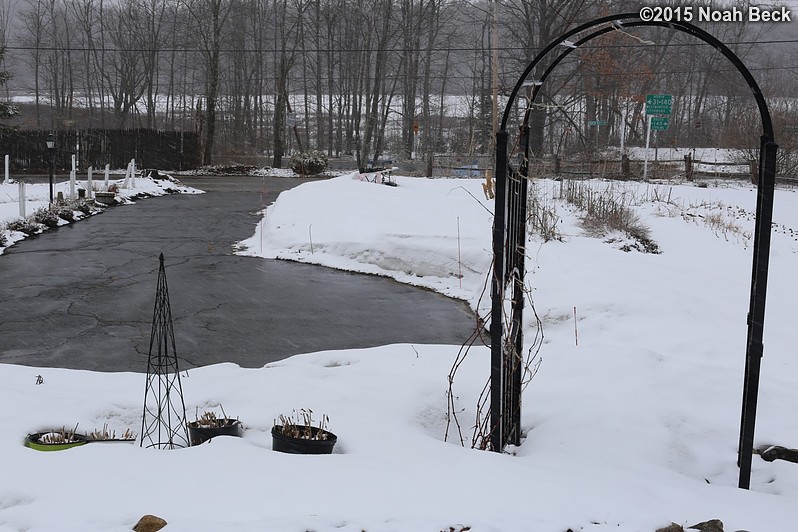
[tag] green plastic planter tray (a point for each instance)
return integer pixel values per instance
(32, 441)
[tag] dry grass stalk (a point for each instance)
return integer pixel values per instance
(210, 420)
(59, 436)
(104, 435)
(301, 426)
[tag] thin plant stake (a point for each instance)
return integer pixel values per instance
(576, 332)
(263, 208)
(459, 263)
(310, 235)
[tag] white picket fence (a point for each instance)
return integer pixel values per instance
(128, 183)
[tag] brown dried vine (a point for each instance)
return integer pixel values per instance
(480, 438)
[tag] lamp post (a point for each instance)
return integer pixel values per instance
(51, 150)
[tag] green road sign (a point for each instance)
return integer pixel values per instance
(659, 104)
(659, 123)
(596, 122)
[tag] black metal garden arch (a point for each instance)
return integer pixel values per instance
(509, 235)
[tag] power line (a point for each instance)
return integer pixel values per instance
(371, 50)
(617, 73)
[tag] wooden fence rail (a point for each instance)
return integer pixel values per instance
(623, 168)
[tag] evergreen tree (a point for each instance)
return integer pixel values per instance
(6, 109)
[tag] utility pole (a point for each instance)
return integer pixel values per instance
(494, 69)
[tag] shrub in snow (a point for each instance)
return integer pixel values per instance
(153, 174)
(46, 216)
(83, 207)
(25, 226)
(221, 169)
(309, 162)
(65, 212)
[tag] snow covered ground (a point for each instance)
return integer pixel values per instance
(633, 428)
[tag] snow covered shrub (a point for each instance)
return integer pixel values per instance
(47, 217)
(153, 174)
(83, 207)
(24, 226)
(309, 162)
(65, 212)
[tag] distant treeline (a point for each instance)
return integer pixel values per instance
(167, 150)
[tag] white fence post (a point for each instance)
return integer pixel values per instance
(107, 171)
(6, 179)
(22, 198)
(72, 176)
(133, 172)
(89, 183)
(126, 182)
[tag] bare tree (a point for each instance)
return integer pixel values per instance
(536, 23)
(33, 18)
(287, 18)
(6, 18)
(82, 13)
(209, 18)
(58, 63)
(379, 23)
(149, 26)
(119, 59)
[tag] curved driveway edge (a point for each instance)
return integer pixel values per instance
(82, 296)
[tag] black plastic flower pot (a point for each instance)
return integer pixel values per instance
(198, 434)
(312, 445)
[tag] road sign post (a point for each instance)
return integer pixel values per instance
(658, 110)
(648, 139)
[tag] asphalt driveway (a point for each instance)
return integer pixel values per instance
(82, 296)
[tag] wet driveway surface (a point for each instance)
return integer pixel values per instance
(82, 296)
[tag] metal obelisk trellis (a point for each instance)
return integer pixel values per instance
(164, 423)
(509, 231)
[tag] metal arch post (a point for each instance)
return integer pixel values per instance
(506, 377)
(497, 296)
(764, 215)
(756, 313)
